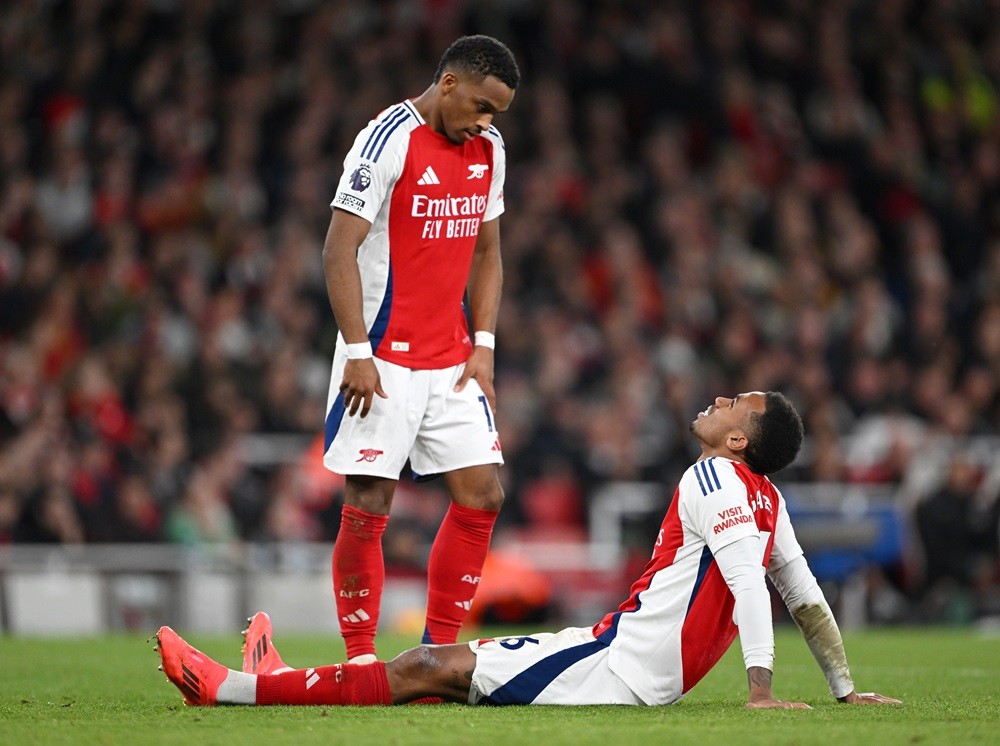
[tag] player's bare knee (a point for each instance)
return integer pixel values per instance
(485, 495)
(371, 496)
(421, 663)
(489, 497)
(374, 504)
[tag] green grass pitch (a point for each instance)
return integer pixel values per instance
(108, 691)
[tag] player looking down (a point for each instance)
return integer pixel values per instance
(415, 225)
(726, 526)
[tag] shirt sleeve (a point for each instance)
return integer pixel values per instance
(739, 562)
(371, 167)
(495, 205)
(786, 546)
(716, 507)
(811, 612)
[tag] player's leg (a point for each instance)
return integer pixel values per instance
(458, 438)
(357, 563)
(444, 672)
(370, 451)
(459, 549)
(436, 671)
(440, 672)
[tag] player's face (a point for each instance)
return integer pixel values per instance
(468, 105)
(725, 416)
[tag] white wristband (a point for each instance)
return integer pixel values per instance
(486, 339)
(359, 351)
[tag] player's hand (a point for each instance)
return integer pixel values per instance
(776, 704)
(868, 698)
(479, 365)
(359, 385)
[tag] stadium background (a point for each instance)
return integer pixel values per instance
(702, 198)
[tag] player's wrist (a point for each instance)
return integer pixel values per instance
(485, 339)
(759, 684)
(848, 698)
(359, 351)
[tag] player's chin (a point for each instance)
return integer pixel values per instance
(461, 137)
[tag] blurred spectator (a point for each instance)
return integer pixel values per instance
(958, 535)
(202, 517)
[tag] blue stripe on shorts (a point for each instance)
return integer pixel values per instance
(527, 685)
(333, 419)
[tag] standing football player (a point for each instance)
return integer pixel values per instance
(414, 226)
(726, 526)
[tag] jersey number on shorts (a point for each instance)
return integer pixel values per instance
(516, 643)
(486, 409)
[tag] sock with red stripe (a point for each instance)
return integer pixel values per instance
(342, 684)
(358, 577)
(453, 570)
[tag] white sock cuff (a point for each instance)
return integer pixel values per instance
(238, 689)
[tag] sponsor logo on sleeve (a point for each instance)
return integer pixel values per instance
(731, 517)
(349, 200)
(361, 179)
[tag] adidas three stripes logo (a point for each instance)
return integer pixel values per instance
(429, 177)
(356, 617)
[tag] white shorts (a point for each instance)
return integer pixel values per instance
(423, 420)
(569, 667)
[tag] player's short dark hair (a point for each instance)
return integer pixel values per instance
(480, 56)
(774, 436)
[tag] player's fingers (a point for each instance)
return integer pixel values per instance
(463, 379)
(873, 698)
(379, 390)
(368, 398)
(798, 706)
(351, 402)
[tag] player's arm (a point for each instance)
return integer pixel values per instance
(484, 288)
(343, 286)
(739, 562)
(806, 603)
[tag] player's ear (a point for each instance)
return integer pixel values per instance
(447, 82)
(736, 441)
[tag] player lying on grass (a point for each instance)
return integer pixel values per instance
(726, 525)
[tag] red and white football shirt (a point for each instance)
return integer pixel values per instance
(678, 621)
(426, 199)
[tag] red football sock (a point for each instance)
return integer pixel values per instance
(453, 570)
(342, 684)
(358, 577)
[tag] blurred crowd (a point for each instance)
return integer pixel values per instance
(702, 198)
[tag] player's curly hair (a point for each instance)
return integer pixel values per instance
(774, 436)
(480, 56)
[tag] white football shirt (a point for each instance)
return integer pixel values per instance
(678, 620)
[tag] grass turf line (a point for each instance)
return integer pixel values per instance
(108, 691)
